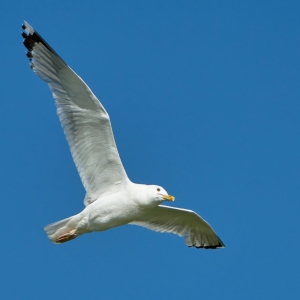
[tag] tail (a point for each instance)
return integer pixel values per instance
(65, 228)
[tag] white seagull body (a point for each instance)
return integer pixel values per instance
(111, 198)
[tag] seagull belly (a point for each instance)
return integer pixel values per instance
(111, 211)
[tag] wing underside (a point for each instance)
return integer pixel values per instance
(84, 120)
(196, 232)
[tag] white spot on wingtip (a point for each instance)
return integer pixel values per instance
(28, 28)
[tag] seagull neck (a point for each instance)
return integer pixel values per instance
(139, 194)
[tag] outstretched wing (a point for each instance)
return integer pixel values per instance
(85, 122)
(183, 222)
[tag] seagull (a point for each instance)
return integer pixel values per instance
(111, 199)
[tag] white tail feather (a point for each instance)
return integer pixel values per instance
(59, 228)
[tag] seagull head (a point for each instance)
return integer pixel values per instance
(157, 193)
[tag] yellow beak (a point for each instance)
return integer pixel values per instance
(168, 197)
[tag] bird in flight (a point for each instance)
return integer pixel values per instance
(111, 198)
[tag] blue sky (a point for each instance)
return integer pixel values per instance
(204, 100)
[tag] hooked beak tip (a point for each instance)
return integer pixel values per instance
(169, 197)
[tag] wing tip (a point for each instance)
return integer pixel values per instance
(27, 27)
(31, 37)
(218, 245)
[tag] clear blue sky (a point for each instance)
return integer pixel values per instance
(204, 99)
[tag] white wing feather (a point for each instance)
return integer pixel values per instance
(182, 222)
(85, 122)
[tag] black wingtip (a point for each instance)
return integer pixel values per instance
(29, 54)
(31, 37)
(220, 245)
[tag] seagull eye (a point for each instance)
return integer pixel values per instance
(158, 189)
